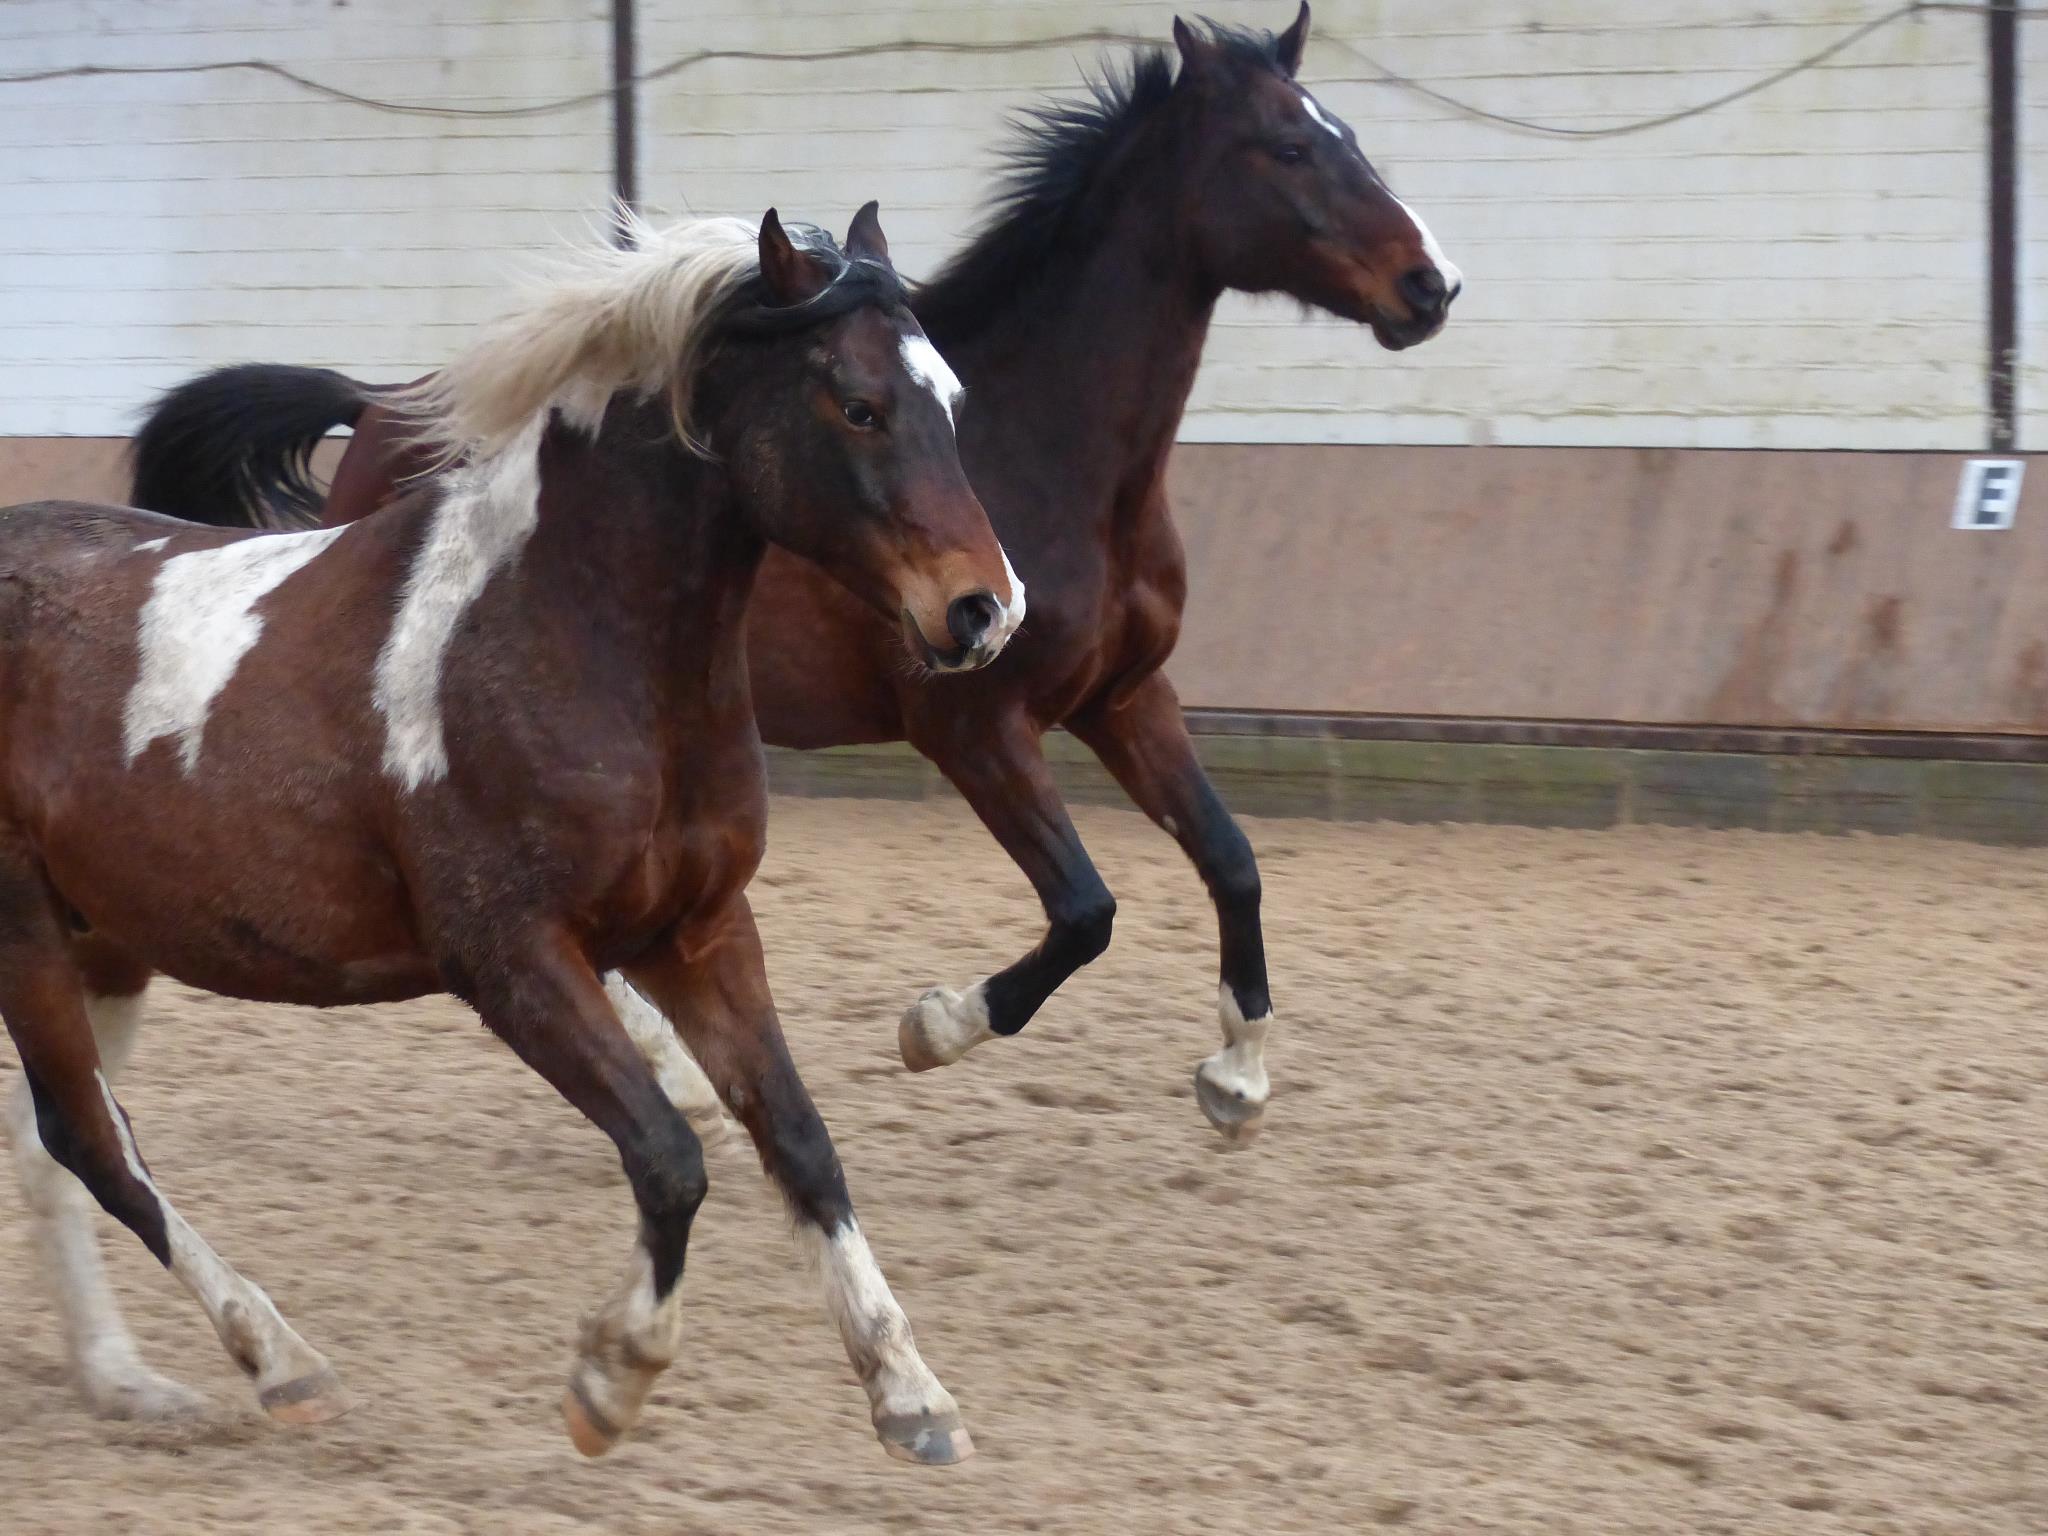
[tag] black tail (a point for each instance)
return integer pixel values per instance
(234, 447)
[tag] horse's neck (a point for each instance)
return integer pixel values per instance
(1100, 362)
(641, 541)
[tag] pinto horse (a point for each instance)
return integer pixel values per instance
(496, 740)
(1076, 320)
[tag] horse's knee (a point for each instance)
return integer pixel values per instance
(668, 1177)
(1086, 924)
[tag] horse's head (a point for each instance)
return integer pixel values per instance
(841, 444)
(1283, 201)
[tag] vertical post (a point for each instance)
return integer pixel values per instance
(625, 114)
(2002, 36)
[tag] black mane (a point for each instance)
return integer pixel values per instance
(1059, 152)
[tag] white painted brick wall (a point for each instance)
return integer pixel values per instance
(1803, 269)
(2034, 230)
(157, 225)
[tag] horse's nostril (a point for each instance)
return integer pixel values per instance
(971, 617)
(1424, 289)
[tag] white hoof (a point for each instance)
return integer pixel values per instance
(942, 1026)
(1232, 1086)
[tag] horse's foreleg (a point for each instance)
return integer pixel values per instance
(1003, 775)
(550, 1007)
(1142, 739)
(717, 993)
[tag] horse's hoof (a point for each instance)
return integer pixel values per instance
(140, 1394)
(941, 1027)
(314, 1398)
(1237, 1117)
(589, 1430)
(925, 1439)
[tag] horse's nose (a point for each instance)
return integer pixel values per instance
(970, 618)
(1426, 292)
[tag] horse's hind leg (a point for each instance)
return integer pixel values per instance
(107, 1366)
(79, 1124)
(674, 1068)
(718, 996)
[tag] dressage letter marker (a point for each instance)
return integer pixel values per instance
(1990, 494)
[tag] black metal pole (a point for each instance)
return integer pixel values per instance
(2002, 30)
(625, 114)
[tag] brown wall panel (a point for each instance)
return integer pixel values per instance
(63, 468)
(1659, 586)
(1654, 586)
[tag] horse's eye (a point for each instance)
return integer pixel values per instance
(1290, 154)
(860, 414)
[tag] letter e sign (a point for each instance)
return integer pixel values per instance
(1990, 494)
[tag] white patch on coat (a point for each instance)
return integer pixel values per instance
(486, 513)
(198, 624)
(925, 365)
(1315, 111)
(871, 1324)
(152, 544)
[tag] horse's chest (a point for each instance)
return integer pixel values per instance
(1106, 627)
(696, 853)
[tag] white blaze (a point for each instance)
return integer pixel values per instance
(1453, 278)
(925, 365)
(1315, 111)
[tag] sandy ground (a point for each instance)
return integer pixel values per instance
(1615, 1182)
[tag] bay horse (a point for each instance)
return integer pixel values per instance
(495, 739)
(1076, 320)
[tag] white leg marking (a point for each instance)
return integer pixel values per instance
(152, 544)
(1232, 1086)
(872, 1326)
(108, 1368)
(256, 1337)
(925, 365)
(486, 513)
(674, 1067)
(944, 1025)
(630, 1342)
(197, 626)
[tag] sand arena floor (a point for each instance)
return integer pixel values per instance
(1615, 1182)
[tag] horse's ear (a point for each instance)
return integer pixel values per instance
(791, 275)
(1290, 45)
(864, 237)
(1197, 53)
